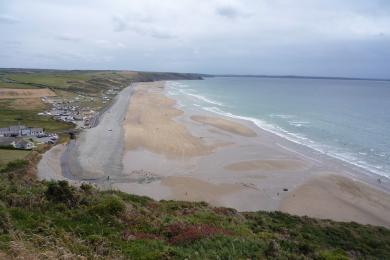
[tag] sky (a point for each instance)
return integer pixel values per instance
(348, 38)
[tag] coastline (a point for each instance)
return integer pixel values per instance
(169, 155)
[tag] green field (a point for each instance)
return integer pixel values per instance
(30, 118)
(90, 82)
(14, 85)
(8, 155)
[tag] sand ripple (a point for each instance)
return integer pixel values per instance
(266, 165)
(226, 125)
(150, 124)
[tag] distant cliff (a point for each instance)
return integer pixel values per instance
(153, 76)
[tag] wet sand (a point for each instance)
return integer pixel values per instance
(266, 165)
(226, 125)
(166, 153)
(200, 156)
(339, 198)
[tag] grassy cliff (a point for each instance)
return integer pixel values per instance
(65, 84)
(53, 220)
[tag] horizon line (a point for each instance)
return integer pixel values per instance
(292, 76)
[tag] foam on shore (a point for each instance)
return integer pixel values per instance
(175, 89)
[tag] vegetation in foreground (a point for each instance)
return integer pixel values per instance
(55, 220)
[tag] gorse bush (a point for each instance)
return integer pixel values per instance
(110, 205)
(15, 165)
(61, 192)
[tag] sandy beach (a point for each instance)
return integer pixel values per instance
(167, 153)
(339, 198)
(149, 124)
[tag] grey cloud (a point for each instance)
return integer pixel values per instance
(161, 34)
(120, 24)
(229, 12)
(68, 38)
(141, 28)
(216, 36)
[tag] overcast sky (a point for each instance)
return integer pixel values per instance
(306, 37)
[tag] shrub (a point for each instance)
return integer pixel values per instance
(333, 255)
(4, 219)
(61, 192)
(86, 187)
(273, 249)
(180, 233)
(111, 205)
(15, 165)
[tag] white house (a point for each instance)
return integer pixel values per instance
(23, 144)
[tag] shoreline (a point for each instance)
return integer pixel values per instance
(364, 174)
(219, 160)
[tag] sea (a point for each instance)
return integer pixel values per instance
(345, 119)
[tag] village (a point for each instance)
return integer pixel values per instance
(81, 110)
(22, 137)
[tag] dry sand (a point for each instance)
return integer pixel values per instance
(6, 93)
(192, 189)
(339, 198)
(149, 124)
(226, 125)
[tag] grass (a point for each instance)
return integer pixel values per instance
(31, 118)
(41, 219)
(73, 81)
(23, 104)
(14, 85)
(8, 155)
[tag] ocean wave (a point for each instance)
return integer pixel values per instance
(342, 154)
(339, 154)
(284, 116)
(177, 89)
(298, 123)
(207, 100)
